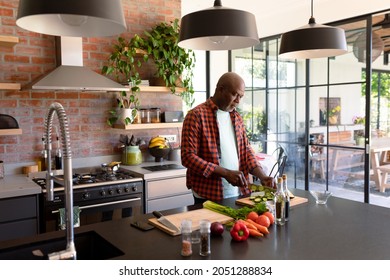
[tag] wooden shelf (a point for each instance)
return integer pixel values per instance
(13, 131)
(158, 89)
(9, 86)
(8, 41)
(148, 126)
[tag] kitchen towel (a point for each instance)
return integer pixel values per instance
(76, 217)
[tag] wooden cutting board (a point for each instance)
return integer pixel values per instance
(293, 202)
(195, 216)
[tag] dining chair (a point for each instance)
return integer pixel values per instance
(278, 168)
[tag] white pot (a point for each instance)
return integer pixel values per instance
(126, 114)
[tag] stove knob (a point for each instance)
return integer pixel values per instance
(102, 192)
(118, 190)
(134, 188)
(126, 189)
(86, 195)
(110, 192)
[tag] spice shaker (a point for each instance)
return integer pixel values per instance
(186, 245)
(205, 238)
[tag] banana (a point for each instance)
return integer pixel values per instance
(156, 139)
(157, 144)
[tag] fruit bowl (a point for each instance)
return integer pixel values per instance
(321, 196)
(159, 153)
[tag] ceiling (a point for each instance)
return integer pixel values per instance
(279, 16)
(355, 33)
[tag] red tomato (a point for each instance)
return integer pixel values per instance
(252, 216)
(263, 220)
(270, 216)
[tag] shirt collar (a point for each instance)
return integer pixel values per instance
(214, 107)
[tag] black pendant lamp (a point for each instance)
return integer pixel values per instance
(313, 41)
(218, 28)
(73, 18)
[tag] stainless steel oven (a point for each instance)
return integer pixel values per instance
(100, 195)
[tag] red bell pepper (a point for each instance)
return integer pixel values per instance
(239, 232)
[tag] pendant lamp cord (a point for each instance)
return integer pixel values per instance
(217, 3)
(312, 19)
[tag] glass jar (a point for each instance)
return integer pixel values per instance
(145, 116)
(155, 115)
(204, 249)
(186, 245)
(131, 155)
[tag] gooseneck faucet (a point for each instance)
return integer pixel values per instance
(70, 251)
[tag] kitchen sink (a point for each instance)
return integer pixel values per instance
(163, 167)
(89, 246)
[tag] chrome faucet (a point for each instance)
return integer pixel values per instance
(70, 251)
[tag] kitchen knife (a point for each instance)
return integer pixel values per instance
(160, 217)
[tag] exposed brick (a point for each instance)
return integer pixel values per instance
(6, 12)
(16, 58)
(43, 95)
(87, 111)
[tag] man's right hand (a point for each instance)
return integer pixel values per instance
(236, 178)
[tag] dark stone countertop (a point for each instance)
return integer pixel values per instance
(341, 230)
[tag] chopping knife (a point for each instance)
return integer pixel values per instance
(162, 219)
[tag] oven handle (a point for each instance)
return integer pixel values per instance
(103, 204)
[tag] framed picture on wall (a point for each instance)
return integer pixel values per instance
(331, 116)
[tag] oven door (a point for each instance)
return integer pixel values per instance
(90, 212)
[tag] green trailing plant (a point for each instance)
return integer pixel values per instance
(123, 64)
(174, 64)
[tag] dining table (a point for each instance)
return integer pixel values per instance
(380, 163)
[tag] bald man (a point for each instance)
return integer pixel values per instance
(215, 148)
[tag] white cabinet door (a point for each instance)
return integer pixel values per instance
(167, 194)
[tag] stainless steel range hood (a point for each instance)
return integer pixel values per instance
(70, 73)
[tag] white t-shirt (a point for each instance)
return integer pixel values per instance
(229, 155)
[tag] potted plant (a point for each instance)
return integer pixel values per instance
(174, 64)
(123, 64)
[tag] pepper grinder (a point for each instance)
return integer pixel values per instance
(205, 238)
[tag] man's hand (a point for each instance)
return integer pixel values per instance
(269, 182)
(236, 178)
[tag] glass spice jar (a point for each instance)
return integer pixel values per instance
(186, 245)
(155, 115)
(145, 116)
(204, 249)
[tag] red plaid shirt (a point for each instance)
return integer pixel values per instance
(200, 150)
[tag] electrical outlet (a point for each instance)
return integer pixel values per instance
(170, 138)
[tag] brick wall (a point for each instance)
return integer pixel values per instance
(34, 55)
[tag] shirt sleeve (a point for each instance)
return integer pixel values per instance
(191, 143)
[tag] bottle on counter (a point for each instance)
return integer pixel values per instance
(43, 158)
(58, 156)
(204, 249)
(280, 203)
(186, 232)
(287, 194)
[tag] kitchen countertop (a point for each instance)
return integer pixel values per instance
(17, 185)
(138, 170)
(341, 230)
(14, 185)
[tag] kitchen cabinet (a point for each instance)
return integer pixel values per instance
(9, 42)
(19, 217)
(167, 193)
